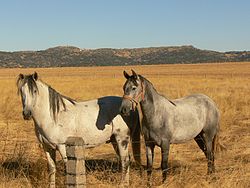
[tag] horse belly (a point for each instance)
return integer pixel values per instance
(187, 124)
(181, 135)
(93, 136)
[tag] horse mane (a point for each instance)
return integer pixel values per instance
(145, 80)
(55, 99)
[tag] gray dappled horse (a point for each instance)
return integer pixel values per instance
(56, 117)
(165, 122)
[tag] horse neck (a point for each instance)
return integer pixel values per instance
(150, 97)
(41, 110)
(153, 100)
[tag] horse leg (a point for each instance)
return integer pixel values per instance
(51, 158)
(210, 155)
(62, 151)
(133, 123)
(136, 147)
(150, 158)
(164, 159)
(205, 143)
(122, 143)
(136, 144)
(199, 139)
(114, 144)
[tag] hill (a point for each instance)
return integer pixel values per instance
(69, 56)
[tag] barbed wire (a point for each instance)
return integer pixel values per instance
(142, 142)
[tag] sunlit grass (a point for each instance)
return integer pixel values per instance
(227, 84)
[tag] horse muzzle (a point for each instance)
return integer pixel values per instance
(27, 115)
(126, 107)
(124, 111)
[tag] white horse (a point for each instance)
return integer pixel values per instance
(57, 117)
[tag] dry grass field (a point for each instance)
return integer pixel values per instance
(23, 163)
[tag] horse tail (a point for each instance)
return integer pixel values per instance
(217, 145)
(136, 137)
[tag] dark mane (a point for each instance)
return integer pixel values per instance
(56, 101)
(145, 80)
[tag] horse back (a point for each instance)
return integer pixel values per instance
(193, 114)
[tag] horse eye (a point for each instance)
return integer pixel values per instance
(133, 88)
(35, 91)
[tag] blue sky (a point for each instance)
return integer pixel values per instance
(221, 25)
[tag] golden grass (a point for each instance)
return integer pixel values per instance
(23, 163)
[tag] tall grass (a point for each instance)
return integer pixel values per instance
(23, 164)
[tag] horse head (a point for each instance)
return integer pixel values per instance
(133, 92)
(27, 88)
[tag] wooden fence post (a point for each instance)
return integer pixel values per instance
(75, 167)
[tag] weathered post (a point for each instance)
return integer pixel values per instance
(75, 167)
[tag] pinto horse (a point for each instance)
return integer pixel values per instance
(57, 117)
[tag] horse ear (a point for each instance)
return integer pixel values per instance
(35, 76)
(21, 76)
(134, 74)
(126, 75)
(19, 81)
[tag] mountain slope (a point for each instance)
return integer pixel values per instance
(72, 56)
